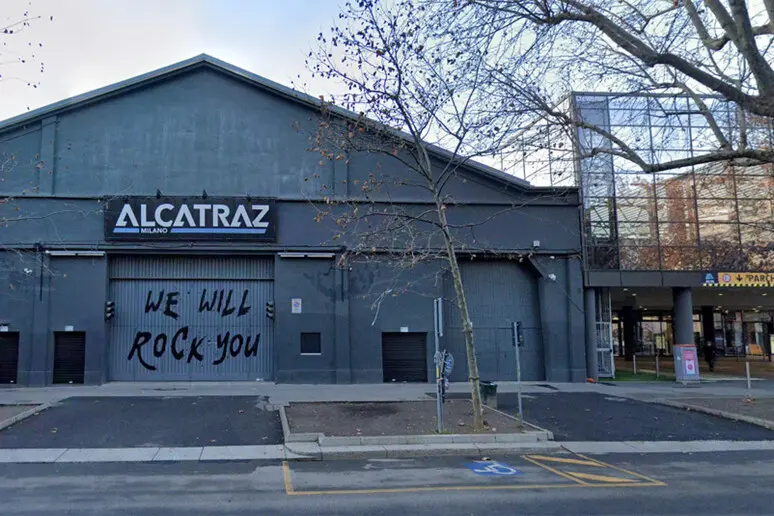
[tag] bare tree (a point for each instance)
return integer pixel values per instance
(715, 53)
(19, 63)
(19, 54)
(426, 113)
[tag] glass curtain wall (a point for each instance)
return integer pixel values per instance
(711, 217)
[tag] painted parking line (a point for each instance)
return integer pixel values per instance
(567, 473)
(601, 478)
(565, 460)
(589, 472)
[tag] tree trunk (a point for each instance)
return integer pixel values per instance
(467, 326)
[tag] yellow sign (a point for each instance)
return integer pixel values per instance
(739, 279)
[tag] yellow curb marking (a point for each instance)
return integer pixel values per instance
(601, 478)
(567, 461)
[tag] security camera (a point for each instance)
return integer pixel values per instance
(552, 276)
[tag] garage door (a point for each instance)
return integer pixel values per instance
(498, 293)
(404, 357)
(191, 318)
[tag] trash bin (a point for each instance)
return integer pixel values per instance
(488, 393)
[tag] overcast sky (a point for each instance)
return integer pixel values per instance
(93, 43)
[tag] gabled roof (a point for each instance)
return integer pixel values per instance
(205, 60)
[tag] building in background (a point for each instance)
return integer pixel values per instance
(165, 228)
(673, 257)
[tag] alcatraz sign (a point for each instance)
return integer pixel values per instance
(190, 218)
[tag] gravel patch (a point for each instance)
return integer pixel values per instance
(392, 418)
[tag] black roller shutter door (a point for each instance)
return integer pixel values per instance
(404, 357)
(69, 356)
(9, 356)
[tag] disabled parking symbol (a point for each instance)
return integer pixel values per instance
(492, 468)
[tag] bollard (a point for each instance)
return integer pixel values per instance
(747, 374)
(657, 370)
(634, 362)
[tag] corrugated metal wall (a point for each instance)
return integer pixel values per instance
(191, 318)
(191, 267)
(498, 292)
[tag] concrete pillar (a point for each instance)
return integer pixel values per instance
(590, 302)
(41, 349)
(682, 315)
(629, 331)
(708, 324)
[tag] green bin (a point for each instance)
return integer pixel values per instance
(488, 393)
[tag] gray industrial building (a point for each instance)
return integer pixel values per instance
(163, 229)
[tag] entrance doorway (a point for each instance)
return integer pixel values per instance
(69, 356)
(9, 356)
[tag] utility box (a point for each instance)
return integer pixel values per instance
(686, 363)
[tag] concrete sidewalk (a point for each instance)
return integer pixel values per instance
(286, 393)
(313, 451)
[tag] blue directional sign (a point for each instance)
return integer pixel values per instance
(492, 468)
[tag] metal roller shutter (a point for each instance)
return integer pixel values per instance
(69, 356)
(9, 356)
(191, 318)
(404, 357)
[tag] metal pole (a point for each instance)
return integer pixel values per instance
(657, 370)
(516, 344)
(747, 374)
(518, 384)
(438, 367)
(634, 361)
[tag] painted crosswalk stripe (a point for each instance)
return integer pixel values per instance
(601, 478)
(564, 460)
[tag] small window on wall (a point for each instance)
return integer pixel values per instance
(311, 344)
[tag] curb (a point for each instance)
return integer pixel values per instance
(430, 439)
(765, 423)
(289, 437)
(316, 452)
(24, 415)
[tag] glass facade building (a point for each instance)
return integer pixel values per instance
(704, 217)
(651, 240)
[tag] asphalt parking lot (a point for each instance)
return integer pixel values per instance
(120, 422)
(599, 417)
